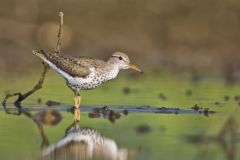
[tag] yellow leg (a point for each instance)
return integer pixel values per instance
(76, 114)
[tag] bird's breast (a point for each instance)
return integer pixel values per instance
(93, 80)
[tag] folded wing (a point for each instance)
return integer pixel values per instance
(68, 64)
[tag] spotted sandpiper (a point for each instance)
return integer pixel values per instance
(82, 73)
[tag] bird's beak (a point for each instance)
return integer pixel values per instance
(132, 66)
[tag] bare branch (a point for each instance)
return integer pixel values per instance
(60, 33)
(38, 86)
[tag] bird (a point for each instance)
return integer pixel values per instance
(85, 73)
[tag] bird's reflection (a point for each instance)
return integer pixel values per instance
(78, 142)
(84, 143)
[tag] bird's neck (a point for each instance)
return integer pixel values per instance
(112, 71)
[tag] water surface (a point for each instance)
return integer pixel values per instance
(161, 123)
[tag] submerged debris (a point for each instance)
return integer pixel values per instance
(226, 98)
(201, 110)
(50, 103)
(143, 129)
(188, 92)
(237, 98)
(113, 115)
(126, 90)
(106, 112)
(196, 107)
(206, 112)
(220, 104)
(48, 117)
(39, 100)
(162, 96)
(125, 112)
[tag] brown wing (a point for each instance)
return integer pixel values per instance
(88, 62)
(66, 63)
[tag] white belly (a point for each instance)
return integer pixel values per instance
(93, 80)
(89, 82)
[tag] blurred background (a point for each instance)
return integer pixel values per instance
(184, 36)
(182, 41)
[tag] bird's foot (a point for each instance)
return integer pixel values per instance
(76, 115)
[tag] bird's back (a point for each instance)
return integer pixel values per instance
(87, 61)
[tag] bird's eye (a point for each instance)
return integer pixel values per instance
(120, 58)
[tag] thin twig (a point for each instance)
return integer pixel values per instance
(60, 33)
(38, 86)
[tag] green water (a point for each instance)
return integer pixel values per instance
(168, 134)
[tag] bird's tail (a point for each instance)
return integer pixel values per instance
(40, 54)
(46, 57)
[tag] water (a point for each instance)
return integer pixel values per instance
(161, 122)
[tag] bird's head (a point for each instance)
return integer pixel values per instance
(122, 61)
